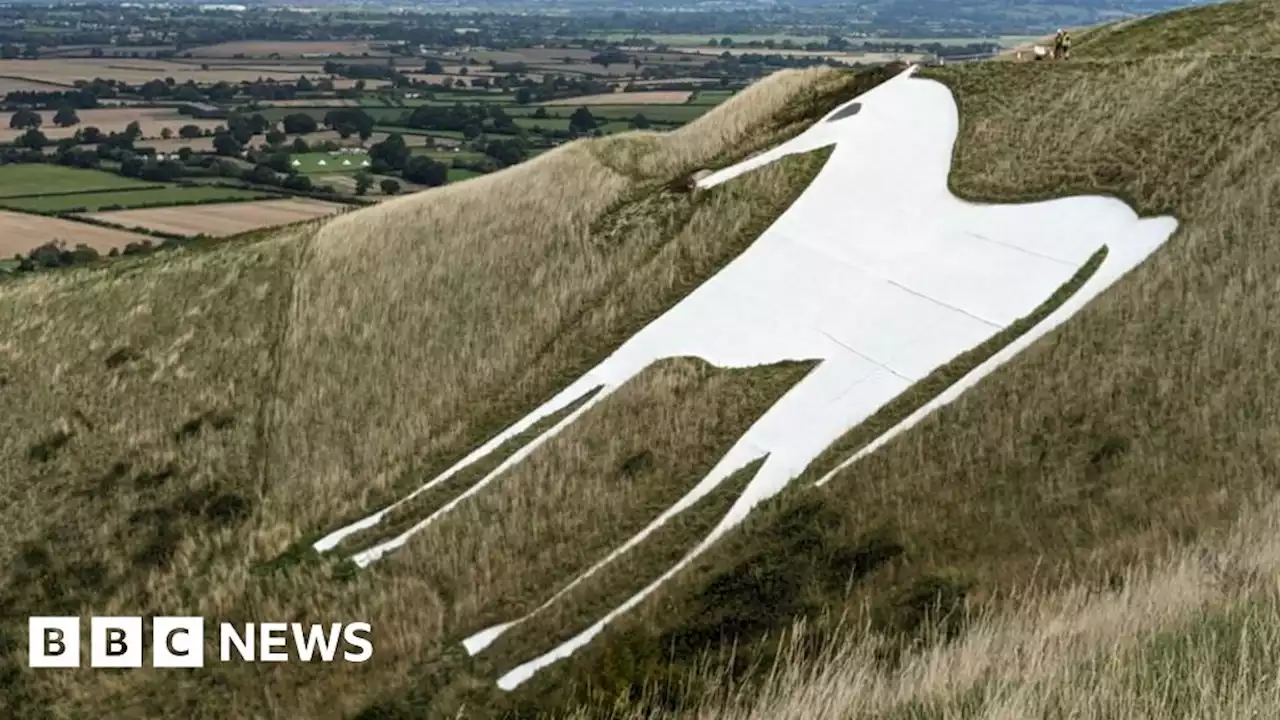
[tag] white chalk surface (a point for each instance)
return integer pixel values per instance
(877, 271)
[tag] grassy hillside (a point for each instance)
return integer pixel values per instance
(1089, 528)
(1245, 27)
(177, 429)
(1146, 424)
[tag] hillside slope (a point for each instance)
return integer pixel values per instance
(180, 431)
(1135, 436)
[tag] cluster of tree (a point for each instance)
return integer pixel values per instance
(507, 151)
(299, 124)
(468, 119)
(389, 155)
(270, 166)
(511, 68)
(392, 155)
(752, 65)
(363, 71)
(189, 92)
(364, 181)
(80, 99)
(30, 51)
(55, 254)
(836, 43)
(554, 87)
(614, 56)
(33, 139)
(349, 121)
(582, 121)
(286, 91)
(423, 170)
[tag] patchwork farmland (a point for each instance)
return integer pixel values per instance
(21, 232)
(27, 180)
(151, 121)
(43, 204)
(66, 72)
(249, 121)
(221, 220)
(154, 196)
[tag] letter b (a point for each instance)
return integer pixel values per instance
(115, 642)
(53, 642)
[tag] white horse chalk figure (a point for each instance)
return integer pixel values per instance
(878, 271)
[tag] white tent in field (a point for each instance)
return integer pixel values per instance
(322, 162)
(296, 163)
(364, 163)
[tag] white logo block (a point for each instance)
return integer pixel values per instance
(115, 642)
(177, 642)
(53, 642)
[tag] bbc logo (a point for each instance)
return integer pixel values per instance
(116, 642)
(178, 642)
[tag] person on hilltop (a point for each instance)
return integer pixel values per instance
(1062, 45)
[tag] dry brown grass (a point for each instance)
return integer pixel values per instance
(532, 269)
(1146, 422)
(107, 505)
(1194, 636)
(234, 402)
(20, 233)
(221, 219)
(1241, 27)
(616, 481)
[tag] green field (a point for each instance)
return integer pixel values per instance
(562, 123)
(546, 123)
(378, 113)
(312, 162)
(448, 134)
(27, 179)
(91, 202)
(460, 174)
(446, 100)
(711, 97)
(446, 156)
(670, 114)
(676, 114)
